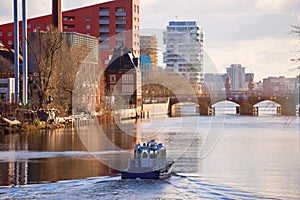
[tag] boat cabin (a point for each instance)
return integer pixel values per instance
(149, 154)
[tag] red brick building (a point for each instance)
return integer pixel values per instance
(116, 23)
(123, 79)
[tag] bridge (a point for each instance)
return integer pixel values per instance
(246, 100)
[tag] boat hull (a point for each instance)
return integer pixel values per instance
(147, 173)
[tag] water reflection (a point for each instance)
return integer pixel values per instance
(56, 155)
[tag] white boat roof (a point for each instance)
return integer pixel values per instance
(152, 145)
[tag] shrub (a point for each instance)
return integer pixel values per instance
(37, 122)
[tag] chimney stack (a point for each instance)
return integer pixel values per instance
(56, 14)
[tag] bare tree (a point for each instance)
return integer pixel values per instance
(71, 59)
(296, 30)
(45, 48)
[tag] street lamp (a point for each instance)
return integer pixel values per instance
(153, 96)
(153, 103)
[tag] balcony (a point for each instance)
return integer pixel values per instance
(120, 38)
(68, 22)
(120, 21)
(119, 30)
(104, 21)
(120, 14)
(104, 30)
(104, 13)
(104, 46)
(102, 38)
(69, 27)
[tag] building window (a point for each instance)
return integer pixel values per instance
(3, 85)
(88, 18)
(120, 9)
(1, 42)
(0, 33)
(112, 78)
(127, 89)
(37, 26)
(2, 96)
(9, 33)
(120, 18)
(88, 26)
(104, 12)
(28, 25)
(68, 18)
(127, 78)
(88, 34)
(9, 42)
(104, 45)
(119, 44)
(112, 88)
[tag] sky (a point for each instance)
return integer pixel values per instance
(254, 33)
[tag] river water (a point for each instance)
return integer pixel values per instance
(220, 157)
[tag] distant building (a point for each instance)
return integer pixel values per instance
(7, 89)
(146, 67)
(123, 79)
(280, 84)
(149, 47)
(215, 82)
(239, 79)
(237, 75)
(117, 19)
(184, 50)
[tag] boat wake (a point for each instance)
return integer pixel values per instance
(195, 186)
(178, 186)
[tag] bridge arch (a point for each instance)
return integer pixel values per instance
(268, 107)
(187, 108)
(225, 107)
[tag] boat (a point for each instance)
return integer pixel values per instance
(149, 162)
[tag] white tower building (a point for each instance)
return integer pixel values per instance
(184, 50)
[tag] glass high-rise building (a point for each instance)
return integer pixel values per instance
(237, 75)
(184, 50)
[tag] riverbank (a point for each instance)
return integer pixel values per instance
(31, 128)
(109, 117)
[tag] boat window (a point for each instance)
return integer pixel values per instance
(152, 154)
(145, 155)
(163, 153)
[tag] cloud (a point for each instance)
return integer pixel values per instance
(247, 26)
(231, 19)
(271, 6)
(34, 9)
(67, 5)
(6, 11)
